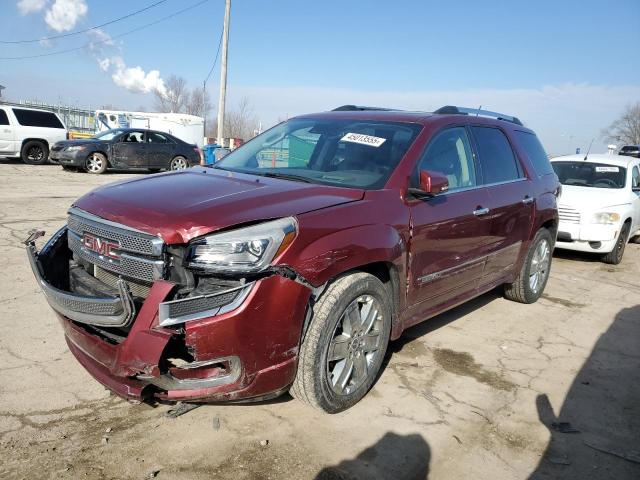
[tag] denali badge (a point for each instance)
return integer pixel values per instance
(106, 248)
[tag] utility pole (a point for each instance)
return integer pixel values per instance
(223, 72)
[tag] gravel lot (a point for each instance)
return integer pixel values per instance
(472, 393)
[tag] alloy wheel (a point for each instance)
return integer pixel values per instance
(539, 266)
(355, 345)
(94, 163)
(178, 163)
(35, 153)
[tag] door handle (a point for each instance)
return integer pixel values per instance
(480, 211)
(527, 200)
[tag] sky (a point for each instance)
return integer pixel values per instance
(565, 68)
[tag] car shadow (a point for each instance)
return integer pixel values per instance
(441, 320)
(576, 256)
(399, 457)
(596, 433)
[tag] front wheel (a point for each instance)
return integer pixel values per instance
(179, 163)
(614, 257)
(343, 349)
(96, 163)
(533, 276)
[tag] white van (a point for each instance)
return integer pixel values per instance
(28, 133)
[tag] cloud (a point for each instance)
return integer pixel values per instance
(565, 116)
(45, 43)
(63, 15)
(134, 79)
(30, 6)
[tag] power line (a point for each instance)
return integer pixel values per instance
(90, 44)
(110, 22)
(216, 59)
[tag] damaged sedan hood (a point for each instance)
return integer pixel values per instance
(181, 206)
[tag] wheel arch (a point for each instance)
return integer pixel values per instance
(36, 139)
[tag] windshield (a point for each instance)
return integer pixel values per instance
(108, 135)
(347, 153)
(587, 174)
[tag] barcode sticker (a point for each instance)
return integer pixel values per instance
(607, 169)
(363, 139)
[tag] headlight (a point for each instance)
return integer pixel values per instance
(75, 148)
(605, 218)
(245, 250)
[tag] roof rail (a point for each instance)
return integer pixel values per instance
(359, 108)
(453, 110)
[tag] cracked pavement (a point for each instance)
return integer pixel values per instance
(471, 393)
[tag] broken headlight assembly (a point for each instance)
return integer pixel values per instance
(244, 250)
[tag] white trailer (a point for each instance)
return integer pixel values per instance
(189, 128)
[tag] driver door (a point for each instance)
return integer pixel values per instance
(131, 150)
(451, 231)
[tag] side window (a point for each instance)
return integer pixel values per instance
(635, 179)
(36, 118)
(536, 153)
(496, 156)
(133, 137)
(157, 138)
(4, 120)
(449, 154)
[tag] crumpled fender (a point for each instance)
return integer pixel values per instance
(321, 259)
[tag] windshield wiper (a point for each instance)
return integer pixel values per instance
(284, 176)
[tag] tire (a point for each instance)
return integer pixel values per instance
(35, 152)
(96, 163)
(614, 257)
(316, 382)
(534, 274)
(178, 163)
(635, 239)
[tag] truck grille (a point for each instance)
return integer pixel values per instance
(139, 254)
(569, 215)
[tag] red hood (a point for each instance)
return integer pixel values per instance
(181, 206)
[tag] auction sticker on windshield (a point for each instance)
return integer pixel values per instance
(363, 139)
(607, 169)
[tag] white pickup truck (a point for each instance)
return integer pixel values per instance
(28, 133)
(599, 207)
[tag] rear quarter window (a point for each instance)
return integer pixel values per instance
(535, 151)
(35, 118)
(4, 120)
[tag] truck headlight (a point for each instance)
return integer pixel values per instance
(245, 250)
(605, 218)
(75, 148)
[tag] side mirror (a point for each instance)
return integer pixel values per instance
(431, 184)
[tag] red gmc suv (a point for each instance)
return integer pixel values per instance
(291, 263)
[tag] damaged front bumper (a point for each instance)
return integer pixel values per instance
(241, 347)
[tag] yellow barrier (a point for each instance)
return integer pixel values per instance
(74, 135)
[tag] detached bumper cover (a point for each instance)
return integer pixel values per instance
(107, 311)
(257, 341)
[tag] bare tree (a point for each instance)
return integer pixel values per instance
(241, 122)
(175, 98)
(626, 129)
(199, 103)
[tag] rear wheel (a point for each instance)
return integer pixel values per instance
(96, 163)
(614, 257)
(179, 163)
(343, 349)
(533, 276)
(35, 152)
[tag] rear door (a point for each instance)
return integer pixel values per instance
(131, 150)
(511, 201)
(7, 139)
(160, 149)
(451, 231)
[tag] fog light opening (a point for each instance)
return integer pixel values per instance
(595, 245)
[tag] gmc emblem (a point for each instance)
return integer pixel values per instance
(105, 248)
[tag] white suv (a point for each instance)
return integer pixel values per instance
(28, 133)
(599, 207)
